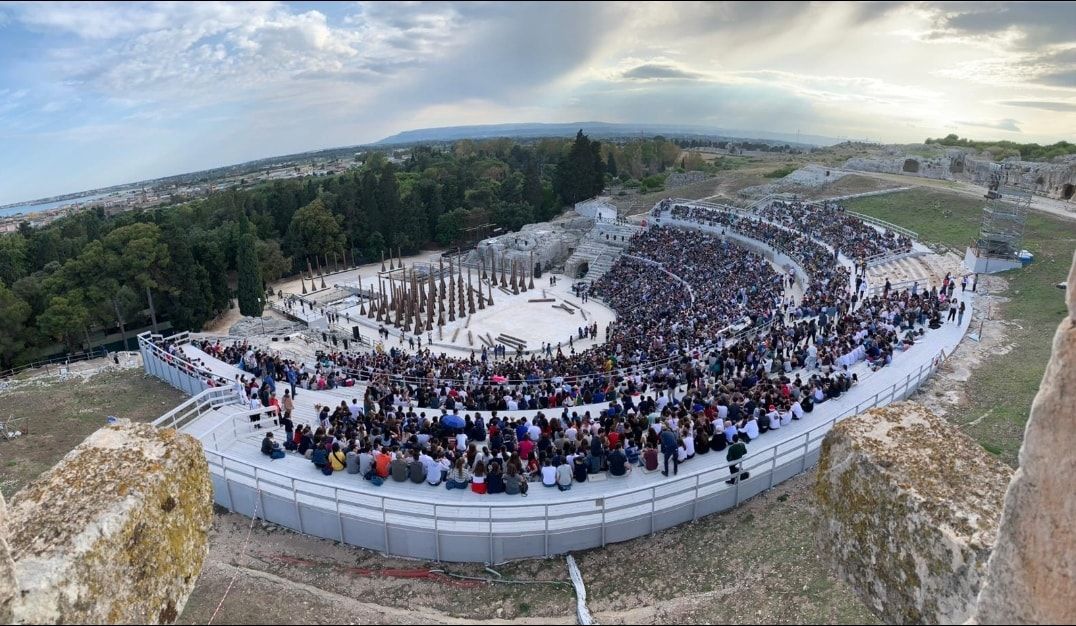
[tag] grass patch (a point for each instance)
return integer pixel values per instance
(782, 171)
(1004, 384)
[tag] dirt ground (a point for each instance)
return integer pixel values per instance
(64, 412)
(756, 564)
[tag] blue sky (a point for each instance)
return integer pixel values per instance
(94, 94)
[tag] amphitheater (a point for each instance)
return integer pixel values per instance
(417, 521)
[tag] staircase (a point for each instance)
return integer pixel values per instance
(599, 249)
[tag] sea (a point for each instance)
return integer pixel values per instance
(45, 206)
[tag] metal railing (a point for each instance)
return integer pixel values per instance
(466, 531)
(66, 359)
(884, 224)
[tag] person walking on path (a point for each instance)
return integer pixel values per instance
(960, 315)
(668, 449)
(736, 452)
(952, 310)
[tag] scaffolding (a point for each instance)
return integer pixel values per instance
(1002, 231)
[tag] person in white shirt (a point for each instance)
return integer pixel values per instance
(571, 433)
(786, 417)
(773, 418)
(533, 432)
(512, 404)
(461, 442)
(797, 410)
(689, 444)
(549, 474)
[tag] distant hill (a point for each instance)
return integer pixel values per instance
(594, 129)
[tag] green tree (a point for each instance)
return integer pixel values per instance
(314, 231)
(250, 293)
(15, 313)
(64, 320)
(271, 260)
(532, 186)
(450, 226)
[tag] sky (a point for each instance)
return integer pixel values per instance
(96, 94)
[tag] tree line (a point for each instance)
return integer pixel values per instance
(1004, 149)
(88, 275)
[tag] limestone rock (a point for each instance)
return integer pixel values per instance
(116, 532)
(1032, 573)
(8, 587)
(908, 509)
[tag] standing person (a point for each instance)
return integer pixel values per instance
(964, 284)
(668, 449)
(960, 313)
(736, 452)
(952, 310)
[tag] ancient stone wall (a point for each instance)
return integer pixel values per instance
(1032, 572)
(908, 511)
(116, 532)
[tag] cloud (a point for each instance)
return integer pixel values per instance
(657, 71)
(1066, 79)
(1044, 105)
(1018, 24)
(1007, 124)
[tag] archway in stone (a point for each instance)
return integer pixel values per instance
(1067, 191)
(582, 269)
(911, 165)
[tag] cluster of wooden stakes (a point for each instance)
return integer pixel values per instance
(418, 304)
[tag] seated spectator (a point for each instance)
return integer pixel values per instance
(320, 457)
(398, 468)
(337, 458)
(382, 462)
(514, 482)
(353, 459)
(416, 469)
(478, 478)
(564, 476)
(618, 461)
(549, 473)
(650, 457)
(495, 479)
(271, 448)
(459, 477)
(580, 468)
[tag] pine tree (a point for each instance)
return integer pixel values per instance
(250, 293)
(610, 165)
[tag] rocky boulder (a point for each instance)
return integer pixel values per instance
(1032, 575)
(908, 512)
(116, 532)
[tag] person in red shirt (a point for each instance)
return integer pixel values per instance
(382, 462)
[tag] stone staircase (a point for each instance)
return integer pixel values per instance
(599, 249)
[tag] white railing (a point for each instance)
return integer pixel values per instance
(196, 406)
(884, 224)
(514, 518)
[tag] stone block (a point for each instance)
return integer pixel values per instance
(908, 512)
(116, 532)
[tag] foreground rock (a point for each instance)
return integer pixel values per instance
(1032, 576)
(115, 533)
(908, 512)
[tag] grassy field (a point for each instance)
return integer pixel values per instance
(1001, 390)
(63, 413)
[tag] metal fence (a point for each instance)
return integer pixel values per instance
(490, 531)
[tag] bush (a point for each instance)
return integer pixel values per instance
(782, 171)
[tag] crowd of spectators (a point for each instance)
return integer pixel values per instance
(669, 384)
(829, 222)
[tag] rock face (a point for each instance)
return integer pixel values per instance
(1032, 573)
(908, 509)
(116, 532)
